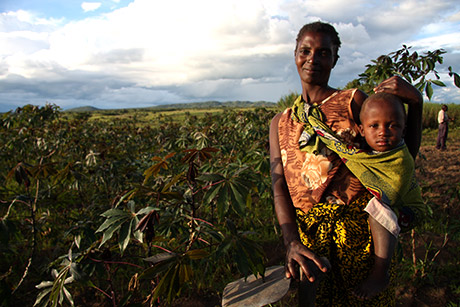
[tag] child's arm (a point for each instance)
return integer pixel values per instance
(384, 216)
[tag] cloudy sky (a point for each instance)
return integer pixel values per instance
(138, 53)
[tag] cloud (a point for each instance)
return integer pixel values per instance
(90, 6)
(177, 50)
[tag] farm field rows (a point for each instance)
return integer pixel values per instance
(147, 208)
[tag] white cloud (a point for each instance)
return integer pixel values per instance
(206, 49)
(90, 6)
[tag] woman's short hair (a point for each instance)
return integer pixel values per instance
(320, 27)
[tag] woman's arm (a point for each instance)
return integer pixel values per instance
(296, 253)
(356, 104)
(410, 95)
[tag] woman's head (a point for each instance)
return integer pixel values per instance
(316, 53)
(320, 27)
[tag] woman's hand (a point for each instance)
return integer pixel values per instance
(397, 86)
(297, 255)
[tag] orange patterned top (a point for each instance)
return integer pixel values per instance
(320, 178)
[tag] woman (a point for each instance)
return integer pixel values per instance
(318, 202)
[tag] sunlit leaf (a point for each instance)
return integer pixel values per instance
(108, 233)
(124, 235)
(42, 295)
(113, 212)
(110, 221)
(160, 257)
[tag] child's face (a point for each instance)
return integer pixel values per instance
(382, 124)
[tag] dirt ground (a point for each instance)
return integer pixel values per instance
(438, 174)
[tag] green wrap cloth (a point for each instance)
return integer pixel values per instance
(389, 175)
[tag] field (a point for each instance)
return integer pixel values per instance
(135, 208)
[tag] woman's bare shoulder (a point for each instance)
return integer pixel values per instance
(276, 119)
(356, 103)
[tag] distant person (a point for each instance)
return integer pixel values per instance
(387, 170)
(443, 128)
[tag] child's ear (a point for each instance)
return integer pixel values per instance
(361, 130)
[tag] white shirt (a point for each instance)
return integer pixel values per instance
(442, 117)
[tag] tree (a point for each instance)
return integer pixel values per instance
(413, 67)
(287, 101)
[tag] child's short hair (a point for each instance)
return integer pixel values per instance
(383, 96)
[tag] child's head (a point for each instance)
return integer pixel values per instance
(383, 120)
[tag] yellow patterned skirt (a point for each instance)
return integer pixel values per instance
(341, 233)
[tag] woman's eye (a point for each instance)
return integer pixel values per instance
(304, 52)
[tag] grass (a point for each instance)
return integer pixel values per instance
(429, 136)
(144, 117)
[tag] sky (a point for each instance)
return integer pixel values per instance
(139, 53)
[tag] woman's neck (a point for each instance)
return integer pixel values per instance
(316, 94)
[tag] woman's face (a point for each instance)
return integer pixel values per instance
(315, 57)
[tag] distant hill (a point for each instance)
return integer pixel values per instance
(83, 109)
(190, 105)
(214, 104)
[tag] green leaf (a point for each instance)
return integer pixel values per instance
(172, 182)
(127, 195)
(160, 257)
(44, 284)
(113, 212)
(197, 254)
(210, 177)
(124, 235)
(109, 232)
(429, 90)
(146, 210)
(239, 201)
(222, 201)
(42, 295)
(438, 82)
(138, 234)
(211, 194)
(185, 273)
(110, 221)
(68, 296)
(457, 80)
(165, 281)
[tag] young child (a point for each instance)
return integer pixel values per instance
(383, 120)
(386, 170)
